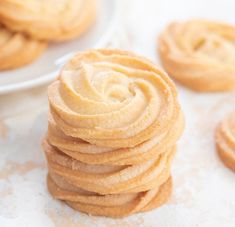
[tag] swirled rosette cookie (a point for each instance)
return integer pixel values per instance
(48, 19)
(17, 49)
(200, 54)
(113, 124)
(225, 141)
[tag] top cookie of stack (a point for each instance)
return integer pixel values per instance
(46, 20)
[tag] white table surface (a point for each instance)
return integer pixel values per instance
(204, 188)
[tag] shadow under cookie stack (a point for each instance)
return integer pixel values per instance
(113, 126)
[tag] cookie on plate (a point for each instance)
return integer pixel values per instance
(16, 49)
(48, 19)
(225, 140)
(200, 54)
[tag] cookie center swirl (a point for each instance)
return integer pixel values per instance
(205, 40)
(114, 94)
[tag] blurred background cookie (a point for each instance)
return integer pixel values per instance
(225, 141)
(16, 49)
(200, 54)
(48, 20)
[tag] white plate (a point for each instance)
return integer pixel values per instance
(45, 69)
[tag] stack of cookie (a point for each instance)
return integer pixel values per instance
(27, 27)
(113, 125)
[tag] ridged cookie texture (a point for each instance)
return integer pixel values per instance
(48, 19)
(199, 54)
(17, 50)
(225, 140)
(113, 126)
